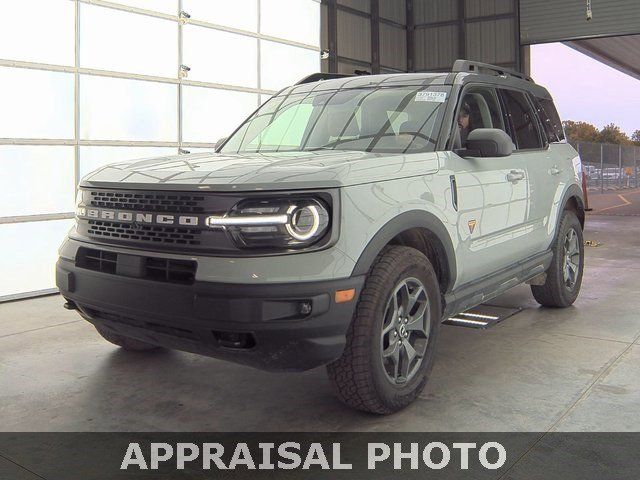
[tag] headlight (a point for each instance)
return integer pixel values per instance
(304, 221)
(269, 223)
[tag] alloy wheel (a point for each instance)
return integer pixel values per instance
(405, 331)
(571, 261)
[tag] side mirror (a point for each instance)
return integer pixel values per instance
(220, 142)
(488, 142)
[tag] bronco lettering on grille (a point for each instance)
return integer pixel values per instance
(141, 218)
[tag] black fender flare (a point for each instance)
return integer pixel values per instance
(399, 224)
(573, 191)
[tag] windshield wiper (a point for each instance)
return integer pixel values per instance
(335, 143)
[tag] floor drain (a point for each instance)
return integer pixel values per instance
(482, 316)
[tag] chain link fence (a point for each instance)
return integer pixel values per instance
(609, 166)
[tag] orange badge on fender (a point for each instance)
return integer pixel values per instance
(472, 225)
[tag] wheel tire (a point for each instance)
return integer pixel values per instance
(125, 342)
(556, 292)
(359, 377)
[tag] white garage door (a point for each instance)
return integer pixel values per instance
(85, 83)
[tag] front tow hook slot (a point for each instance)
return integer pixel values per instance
(235, 340)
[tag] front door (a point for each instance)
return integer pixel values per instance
(493, 193)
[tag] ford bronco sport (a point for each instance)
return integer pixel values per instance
(338, 225)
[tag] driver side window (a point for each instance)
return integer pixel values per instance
(478, 108)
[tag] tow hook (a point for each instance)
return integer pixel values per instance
(70, 305)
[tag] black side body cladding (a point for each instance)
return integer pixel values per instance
(486, 288)
(401, 223)
(574, 191)
(471, 294)
(474, 293)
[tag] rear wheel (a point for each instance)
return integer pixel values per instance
(126, 342)
(391, 340)
(564, 276)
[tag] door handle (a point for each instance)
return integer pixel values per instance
(554, 170)
(514, 176)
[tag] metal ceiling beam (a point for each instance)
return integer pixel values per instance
(597, 50)
(411, 48)
(332, 34)
(375, 36)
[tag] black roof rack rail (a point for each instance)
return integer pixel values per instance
(477, 67)
(316, 77)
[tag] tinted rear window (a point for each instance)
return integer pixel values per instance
(524, 125)
(550, 119)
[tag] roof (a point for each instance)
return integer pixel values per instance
(463, 71)
(362, 81)
(415, 79)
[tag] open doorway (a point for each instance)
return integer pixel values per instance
(600, 109)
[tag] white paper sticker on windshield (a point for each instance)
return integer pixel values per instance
(427, 96)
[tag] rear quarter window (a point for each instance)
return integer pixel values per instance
(550, 119)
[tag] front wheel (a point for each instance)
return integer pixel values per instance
(391, 340)
(564, 276)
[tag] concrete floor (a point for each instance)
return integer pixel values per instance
(573, 369)
(615, 202)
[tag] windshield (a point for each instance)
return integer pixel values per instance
(380, 119)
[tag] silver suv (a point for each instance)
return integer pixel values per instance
(338, 225)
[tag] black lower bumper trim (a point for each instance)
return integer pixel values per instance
(291, 327)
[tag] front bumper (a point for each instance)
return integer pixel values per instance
(267, 326)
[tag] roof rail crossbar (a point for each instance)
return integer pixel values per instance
(316, 77)
(477, 67)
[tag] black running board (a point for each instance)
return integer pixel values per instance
(483, 290)
(483, 316)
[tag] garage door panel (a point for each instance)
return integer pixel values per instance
(567, 20)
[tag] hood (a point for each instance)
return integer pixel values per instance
(264, 171)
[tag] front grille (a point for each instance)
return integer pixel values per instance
(149, 268)
(147, 202)
(168, 270)
(97, 260)
(147, 233)
(171, 222)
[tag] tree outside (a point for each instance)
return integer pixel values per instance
(578, 131)
(611, 133)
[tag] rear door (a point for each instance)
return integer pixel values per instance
(535, 156)
(564, 163)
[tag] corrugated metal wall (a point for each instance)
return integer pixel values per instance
(393, 48)
(418, 35)
(436, 48)
(351, 25)
(482, 30)
(369, 35)
(429, 11)
(544, 21)
(429, 35)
